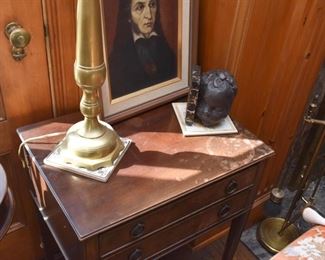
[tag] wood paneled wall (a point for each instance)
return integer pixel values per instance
(60, 23)
(273, 47)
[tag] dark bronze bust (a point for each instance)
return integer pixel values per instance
(217, 92)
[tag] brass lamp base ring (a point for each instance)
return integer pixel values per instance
(269, 237)
(91, 153)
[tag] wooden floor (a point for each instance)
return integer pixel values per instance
(211, 252)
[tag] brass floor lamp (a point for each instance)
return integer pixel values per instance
(276, 233)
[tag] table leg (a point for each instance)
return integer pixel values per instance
(236, 229)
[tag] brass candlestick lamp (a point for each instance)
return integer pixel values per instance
(91, 148)
(91, 143)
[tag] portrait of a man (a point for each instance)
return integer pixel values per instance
(140, 55)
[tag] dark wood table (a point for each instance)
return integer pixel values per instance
(167, 190)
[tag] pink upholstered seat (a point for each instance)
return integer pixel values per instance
(309, 246)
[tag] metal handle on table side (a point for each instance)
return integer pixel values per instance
(137, 230)
(231, 187)
(224, 211)
(136, 255)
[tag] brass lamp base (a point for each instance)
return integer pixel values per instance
(269, 237)
(55, 159)
(91, 147)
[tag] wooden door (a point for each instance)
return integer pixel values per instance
(24, 98)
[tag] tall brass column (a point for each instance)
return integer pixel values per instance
(90, 143)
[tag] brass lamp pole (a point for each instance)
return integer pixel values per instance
(91, 143)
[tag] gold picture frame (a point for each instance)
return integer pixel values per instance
(178, 25)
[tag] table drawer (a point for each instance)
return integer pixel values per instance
(166, 215)
(184, 231)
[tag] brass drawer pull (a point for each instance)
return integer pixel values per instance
(137, 230)
(231, 187)
(136, 255)
(224, 211)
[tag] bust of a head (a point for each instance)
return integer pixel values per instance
(217, 92)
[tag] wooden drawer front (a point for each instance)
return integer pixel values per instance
(157, 219)
(184, 231)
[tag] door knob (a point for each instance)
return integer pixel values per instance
(19, 38)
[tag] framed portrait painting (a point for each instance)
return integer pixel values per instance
(150, 46)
